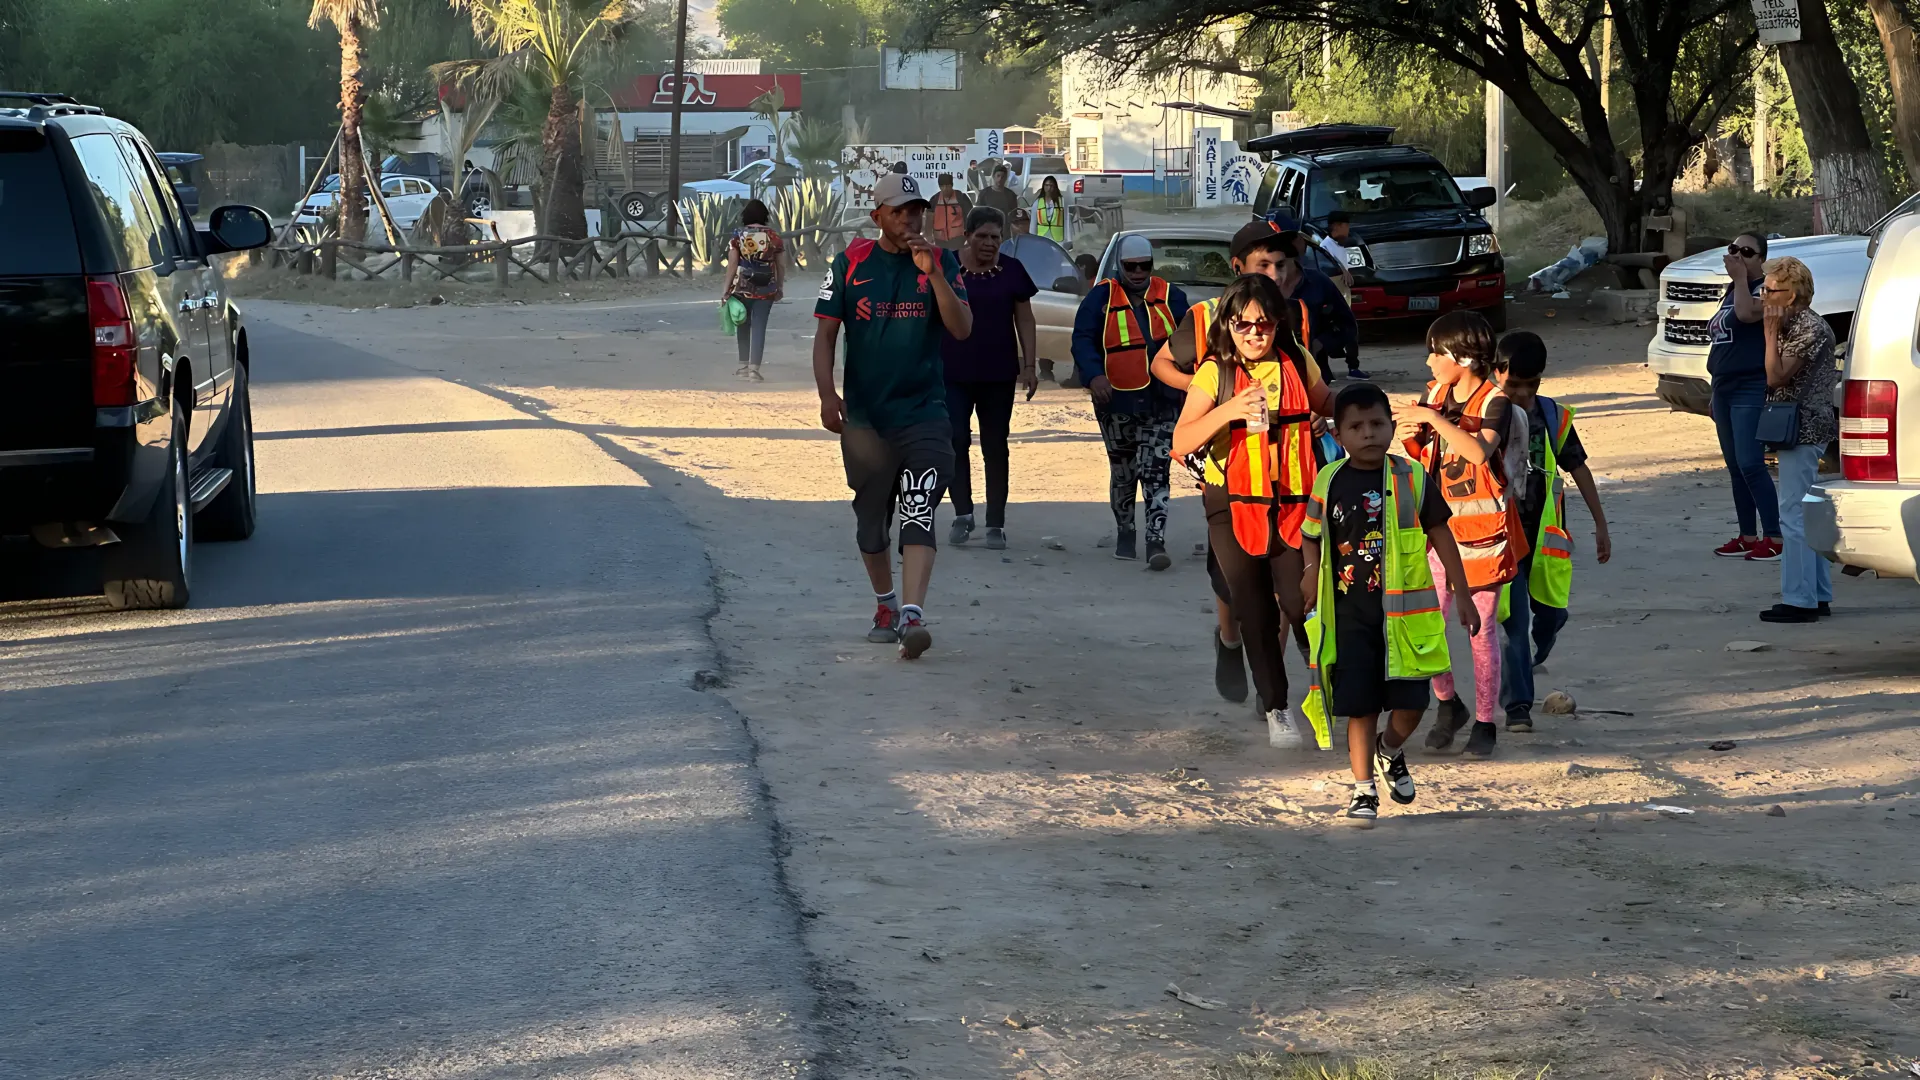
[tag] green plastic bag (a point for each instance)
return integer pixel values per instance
(733, 312)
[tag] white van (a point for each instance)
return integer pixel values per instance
(1870, 518)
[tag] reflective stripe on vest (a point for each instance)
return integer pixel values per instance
(1126, 340)
(1416, 628)
(1260, 504)
(1550, 582)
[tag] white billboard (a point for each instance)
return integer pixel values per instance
(866, 163)
(1207, 164)
(926, 69)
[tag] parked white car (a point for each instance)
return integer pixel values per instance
(744, 182)
(407, 198)
(1869, 519)
(1692, 288)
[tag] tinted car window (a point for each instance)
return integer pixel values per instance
(1040, 166)
(36, 225)
(1383, 189)
(158, 194)
(129, 220)
(1193, 262)
(1046, 262)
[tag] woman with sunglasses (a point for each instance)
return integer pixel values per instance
(1737, 363)
(1251, 405)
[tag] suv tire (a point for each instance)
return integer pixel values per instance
(230, 515)
(151, 565)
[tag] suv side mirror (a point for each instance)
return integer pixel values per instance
(1482, 197)
(237, 228)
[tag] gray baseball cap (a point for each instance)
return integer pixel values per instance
(898, 189)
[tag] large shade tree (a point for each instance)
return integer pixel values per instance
(554, 41)
(1680, 61)
(352, 18)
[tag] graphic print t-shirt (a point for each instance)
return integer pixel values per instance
(892, 326)
(1355, 539)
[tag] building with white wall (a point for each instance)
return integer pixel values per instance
(1140, 126)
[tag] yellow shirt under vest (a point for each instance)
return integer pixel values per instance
(1206, 383)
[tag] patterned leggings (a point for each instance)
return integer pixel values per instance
(1486, 646)
(1139, 454)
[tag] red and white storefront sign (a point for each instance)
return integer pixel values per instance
(716, 93)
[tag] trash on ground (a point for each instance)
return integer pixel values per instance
(1722, 746)
(1554, 277)
(1748, 646)
(1777, 811)
(1665, 809)
(1194, 1000)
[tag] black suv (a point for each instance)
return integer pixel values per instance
(124, 366)
(1421, 245)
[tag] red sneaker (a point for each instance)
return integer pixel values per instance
(1735, 548)
(886, 626)
(1765, 549)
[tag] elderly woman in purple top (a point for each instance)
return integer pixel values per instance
(981, 371)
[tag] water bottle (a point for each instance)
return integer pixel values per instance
(1259, 423)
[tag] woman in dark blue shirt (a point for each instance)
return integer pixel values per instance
(1737, 363)
(981, 371)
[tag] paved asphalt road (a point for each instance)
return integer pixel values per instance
(419, 787)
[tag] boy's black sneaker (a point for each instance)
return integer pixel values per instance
(1520, 721)
(1392, 768)
(1449, 717)
(1229, 670)
(1364, 807)
(1480, 743)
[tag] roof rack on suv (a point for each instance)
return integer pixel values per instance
(1307, 140)
(44, 105)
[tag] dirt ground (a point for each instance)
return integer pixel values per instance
(1014, 850)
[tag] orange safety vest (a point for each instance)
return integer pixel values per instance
(949, 219)
(1269, 491)
(1126, 340)
(1485, 523)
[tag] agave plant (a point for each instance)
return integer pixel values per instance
(807, 206)
(709, 221)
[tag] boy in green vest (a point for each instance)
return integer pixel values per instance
(1380, 633)
(1537, 603)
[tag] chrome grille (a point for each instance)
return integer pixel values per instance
(1694, 292)
(1688, 332)
(1407, 254)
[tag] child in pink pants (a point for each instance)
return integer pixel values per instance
(1486, 649)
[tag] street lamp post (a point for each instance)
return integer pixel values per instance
(673, 138)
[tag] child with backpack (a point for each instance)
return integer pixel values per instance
(1537, 600)
(1378, 630)
(1467, 436)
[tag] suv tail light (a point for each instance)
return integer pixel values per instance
(112, 342)
(1869, 436)
(1079, 187)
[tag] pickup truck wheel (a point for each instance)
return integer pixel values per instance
(230, 515)
(151, 565)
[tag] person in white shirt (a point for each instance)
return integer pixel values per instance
(1339, 231)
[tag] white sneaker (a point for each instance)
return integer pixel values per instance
(1282, 733)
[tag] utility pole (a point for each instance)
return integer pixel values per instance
(1496, 152)
(1761, 144)
(673, 138)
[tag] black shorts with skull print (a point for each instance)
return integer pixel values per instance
(905, 469)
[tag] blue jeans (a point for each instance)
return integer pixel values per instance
(1805, 577)
(1516, 666)
(1736, 415)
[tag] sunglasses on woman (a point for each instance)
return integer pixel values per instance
(1742, 251)
(1253, 328)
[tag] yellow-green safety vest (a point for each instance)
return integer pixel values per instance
(1551, 582)
(1416, 623)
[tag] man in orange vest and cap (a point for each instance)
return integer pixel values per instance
(1122, 323)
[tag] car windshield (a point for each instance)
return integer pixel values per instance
(748, 173)
(1192, 261)
(1384, 189)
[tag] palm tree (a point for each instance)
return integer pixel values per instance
(352, 18)
(552, 39)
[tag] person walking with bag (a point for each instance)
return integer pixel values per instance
(1797, 422)
(1248, 406)
(757, 277)
(982, 369)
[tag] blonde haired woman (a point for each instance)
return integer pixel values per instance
(1800, 372)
